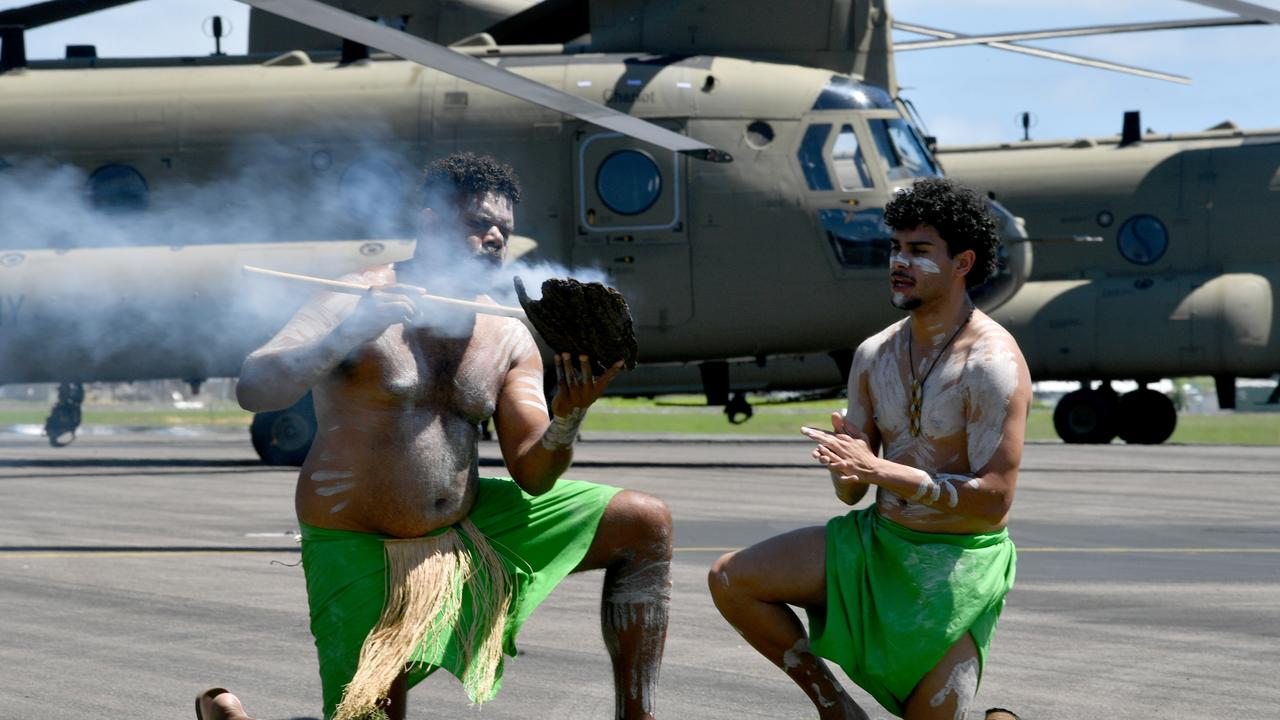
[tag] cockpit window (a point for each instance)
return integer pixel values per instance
(812, 162)
(846, 157)
(901, 151)
(859, 239)
(843, 93)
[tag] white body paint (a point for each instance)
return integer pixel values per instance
(641, 598)
(963, 683)
(965, 405)
(563, 431)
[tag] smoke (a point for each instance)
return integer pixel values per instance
(134, 271)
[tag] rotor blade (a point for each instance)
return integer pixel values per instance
(1052, 55)
(1245, 9)
(344, 24)
(33, 16)
(1069, 32)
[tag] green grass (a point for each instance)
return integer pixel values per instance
(134, 416)
(682, 415)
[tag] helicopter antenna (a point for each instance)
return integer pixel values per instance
(1028, 121)
(217, 28)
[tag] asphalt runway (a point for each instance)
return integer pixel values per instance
(138, 569)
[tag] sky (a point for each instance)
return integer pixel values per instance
(965, 95)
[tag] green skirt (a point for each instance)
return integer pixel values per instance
(541, 540)
(898, 599)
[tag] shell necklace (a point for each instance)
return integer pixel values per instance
(917, 386)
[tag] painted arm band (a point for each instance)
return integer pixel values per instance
(563, 431)
(944, 487)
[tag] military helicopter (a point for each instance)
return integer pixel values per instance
(1183, 283)
(321, 146)
(1156, 271)
(107, 293)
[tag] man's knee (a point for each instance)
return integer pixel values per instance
(724, 579)
(646, 521)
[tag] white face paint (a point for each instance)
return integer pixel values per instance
(925, 264)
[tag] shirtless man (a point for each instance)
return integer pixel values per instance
(401, 393)
(904, 594)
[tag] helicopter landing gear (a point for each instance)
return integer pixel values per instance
(1086, 416)
(738, 410)
(64, 419)
(1146, 417)
(1097, 416)
(283, 437)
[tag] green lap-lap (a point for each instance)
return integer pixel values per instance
(898, 599)
(541, 539)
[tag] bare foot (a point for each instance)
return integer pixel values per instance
(219, 704)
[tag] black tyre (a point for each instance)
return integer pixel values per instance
(1085, 417)
(1146, 417)
(283, 437)
(738, 410)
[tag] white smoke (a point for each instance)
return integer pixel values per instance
(117, 276)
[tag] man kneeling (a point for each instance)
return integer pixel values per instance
(904, 594)
(413, 561)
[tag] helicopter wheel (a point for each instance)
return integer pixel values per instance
(1146, 417)
(64, 419)
(738, 410)
(283, 437)
(1086, 417)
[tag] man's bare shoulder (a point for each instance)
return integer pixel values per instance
(990, 337)
(875, 343)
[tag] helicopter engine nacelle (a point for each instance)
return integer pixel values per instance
(1014, 262)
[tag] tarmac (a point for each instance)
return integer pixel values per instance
(137, 569)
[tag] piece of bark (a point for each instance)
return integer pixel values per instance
(583, 319)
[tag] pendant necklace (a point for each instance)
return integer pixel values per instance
(917, 386)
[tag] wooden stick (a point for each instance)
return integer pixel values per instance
(411, 291)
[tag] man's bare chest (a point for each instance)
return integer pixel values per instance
(936, 399)
(414, 369)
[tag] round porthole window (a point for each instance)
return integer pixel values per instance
(371, 190)
(1143, 239)
(629, 182)
(117, 189)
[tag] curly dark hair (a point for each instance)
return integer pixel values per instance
(464, 173)
(961, 216)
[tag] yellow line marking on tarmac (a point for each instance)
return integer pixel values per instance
(33, 554)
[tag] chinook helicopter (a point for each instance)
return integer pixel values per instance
(1160, 272)
(321, 146)
(1183, 284)
(127, 222)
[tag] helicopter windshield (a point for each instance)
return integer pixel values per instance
(858, 237)
(901, 151)
(842, 93)
(846, 158)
